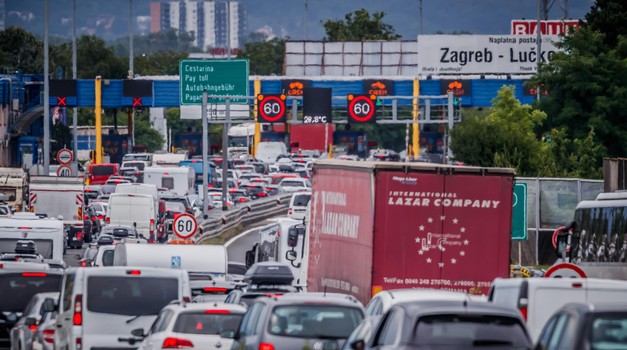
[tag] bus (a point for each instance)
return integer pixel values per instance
(599, 230)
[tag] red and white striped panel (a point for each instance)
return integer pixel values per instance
(33, 198)
(79, 199)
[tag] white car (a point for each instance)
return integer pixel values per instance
(298, 205)
(294, 184)
(193, 326)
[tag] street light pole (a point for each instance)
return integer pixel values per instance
(46, 95)
(74, 76)
(539, 47)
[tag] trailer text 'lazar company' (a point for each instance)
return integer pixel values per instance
(333, 223)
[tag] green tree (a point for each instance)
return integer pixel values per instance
(159, 63)
(165, 40)
(265, 57)
(360, 26)
(608, 17)
(93, 57)
(586, 86)
(504, 138)
(21, 50)
(145, 135)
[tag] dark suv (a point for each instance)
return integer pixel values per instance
(299, 321)
(448, 325)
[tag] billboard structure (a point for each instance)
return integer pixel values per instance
(367, 58)
(547, 27)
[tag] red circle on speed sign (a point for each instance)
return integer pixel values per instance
(363, 101)
(565, 270)
(272, 115)
(65, 156)
(184, 225)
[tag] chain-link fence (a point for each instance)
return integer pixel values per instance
(551, 203)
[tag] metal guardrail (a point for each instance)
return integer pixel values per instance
(248, 214)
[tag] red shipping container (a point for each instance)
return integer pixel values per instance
(385, 225)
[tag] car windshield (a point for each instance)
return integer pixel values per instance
(107, 257)
(206, 322)
(22, 286)
(138, 165)
(314, 321)
(292, 183)
(609, 331)
(302, 200)
(470, 330)
(130, 296)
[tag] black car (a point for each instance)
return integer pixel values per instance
(255, 190)
(448, 325)
(264, 279)
(585, 326)
(18, 284)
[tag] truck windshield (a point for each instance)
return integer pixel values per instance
(600, 226)
(121, 295)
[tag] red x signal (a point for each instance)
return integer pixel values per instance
(61, 101)
(137, 102)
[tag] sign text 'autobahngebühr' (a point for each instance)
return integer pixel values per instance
(217, 77)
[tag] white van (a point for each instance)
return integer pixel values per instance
(269, 151)
(201, 259)
(538, 298)
(179, 180)
(47, 234)
(99, 307)
(135, 188)
(298, 205)
(133, 209)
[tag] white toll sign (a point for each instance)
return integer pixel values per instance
(65, 156)
(185, 226)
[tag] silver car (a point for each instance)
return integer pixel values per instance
(23, 331)
(43, 339)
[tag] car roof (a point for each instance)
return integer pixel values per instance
(319, 298)
(400, 295)
(210, 305)
(597, 307)
(443, 307)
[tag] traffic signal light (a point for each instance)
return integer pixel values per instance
(457, 101)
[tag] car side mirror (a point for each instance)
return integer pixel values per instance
(228, 334)
(49, 306)
(138, 332)
(292, 236)
(30, 321)
(290, 255)
(358, 344)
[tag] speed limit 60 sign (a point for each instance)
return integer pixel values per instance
(361, 108)
(184, 225)
(271, 108)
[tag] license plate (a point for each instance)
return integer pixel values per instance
(75, 238)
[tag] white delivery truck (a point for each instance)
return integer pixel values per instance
(179, 180)
(63, 198)
(133, 210)
(135, 188)
(202, 259)
(13, 183)
(269, 151)
(47, 234)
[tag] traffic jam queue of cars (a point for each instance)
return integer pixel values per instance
(139, 287)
